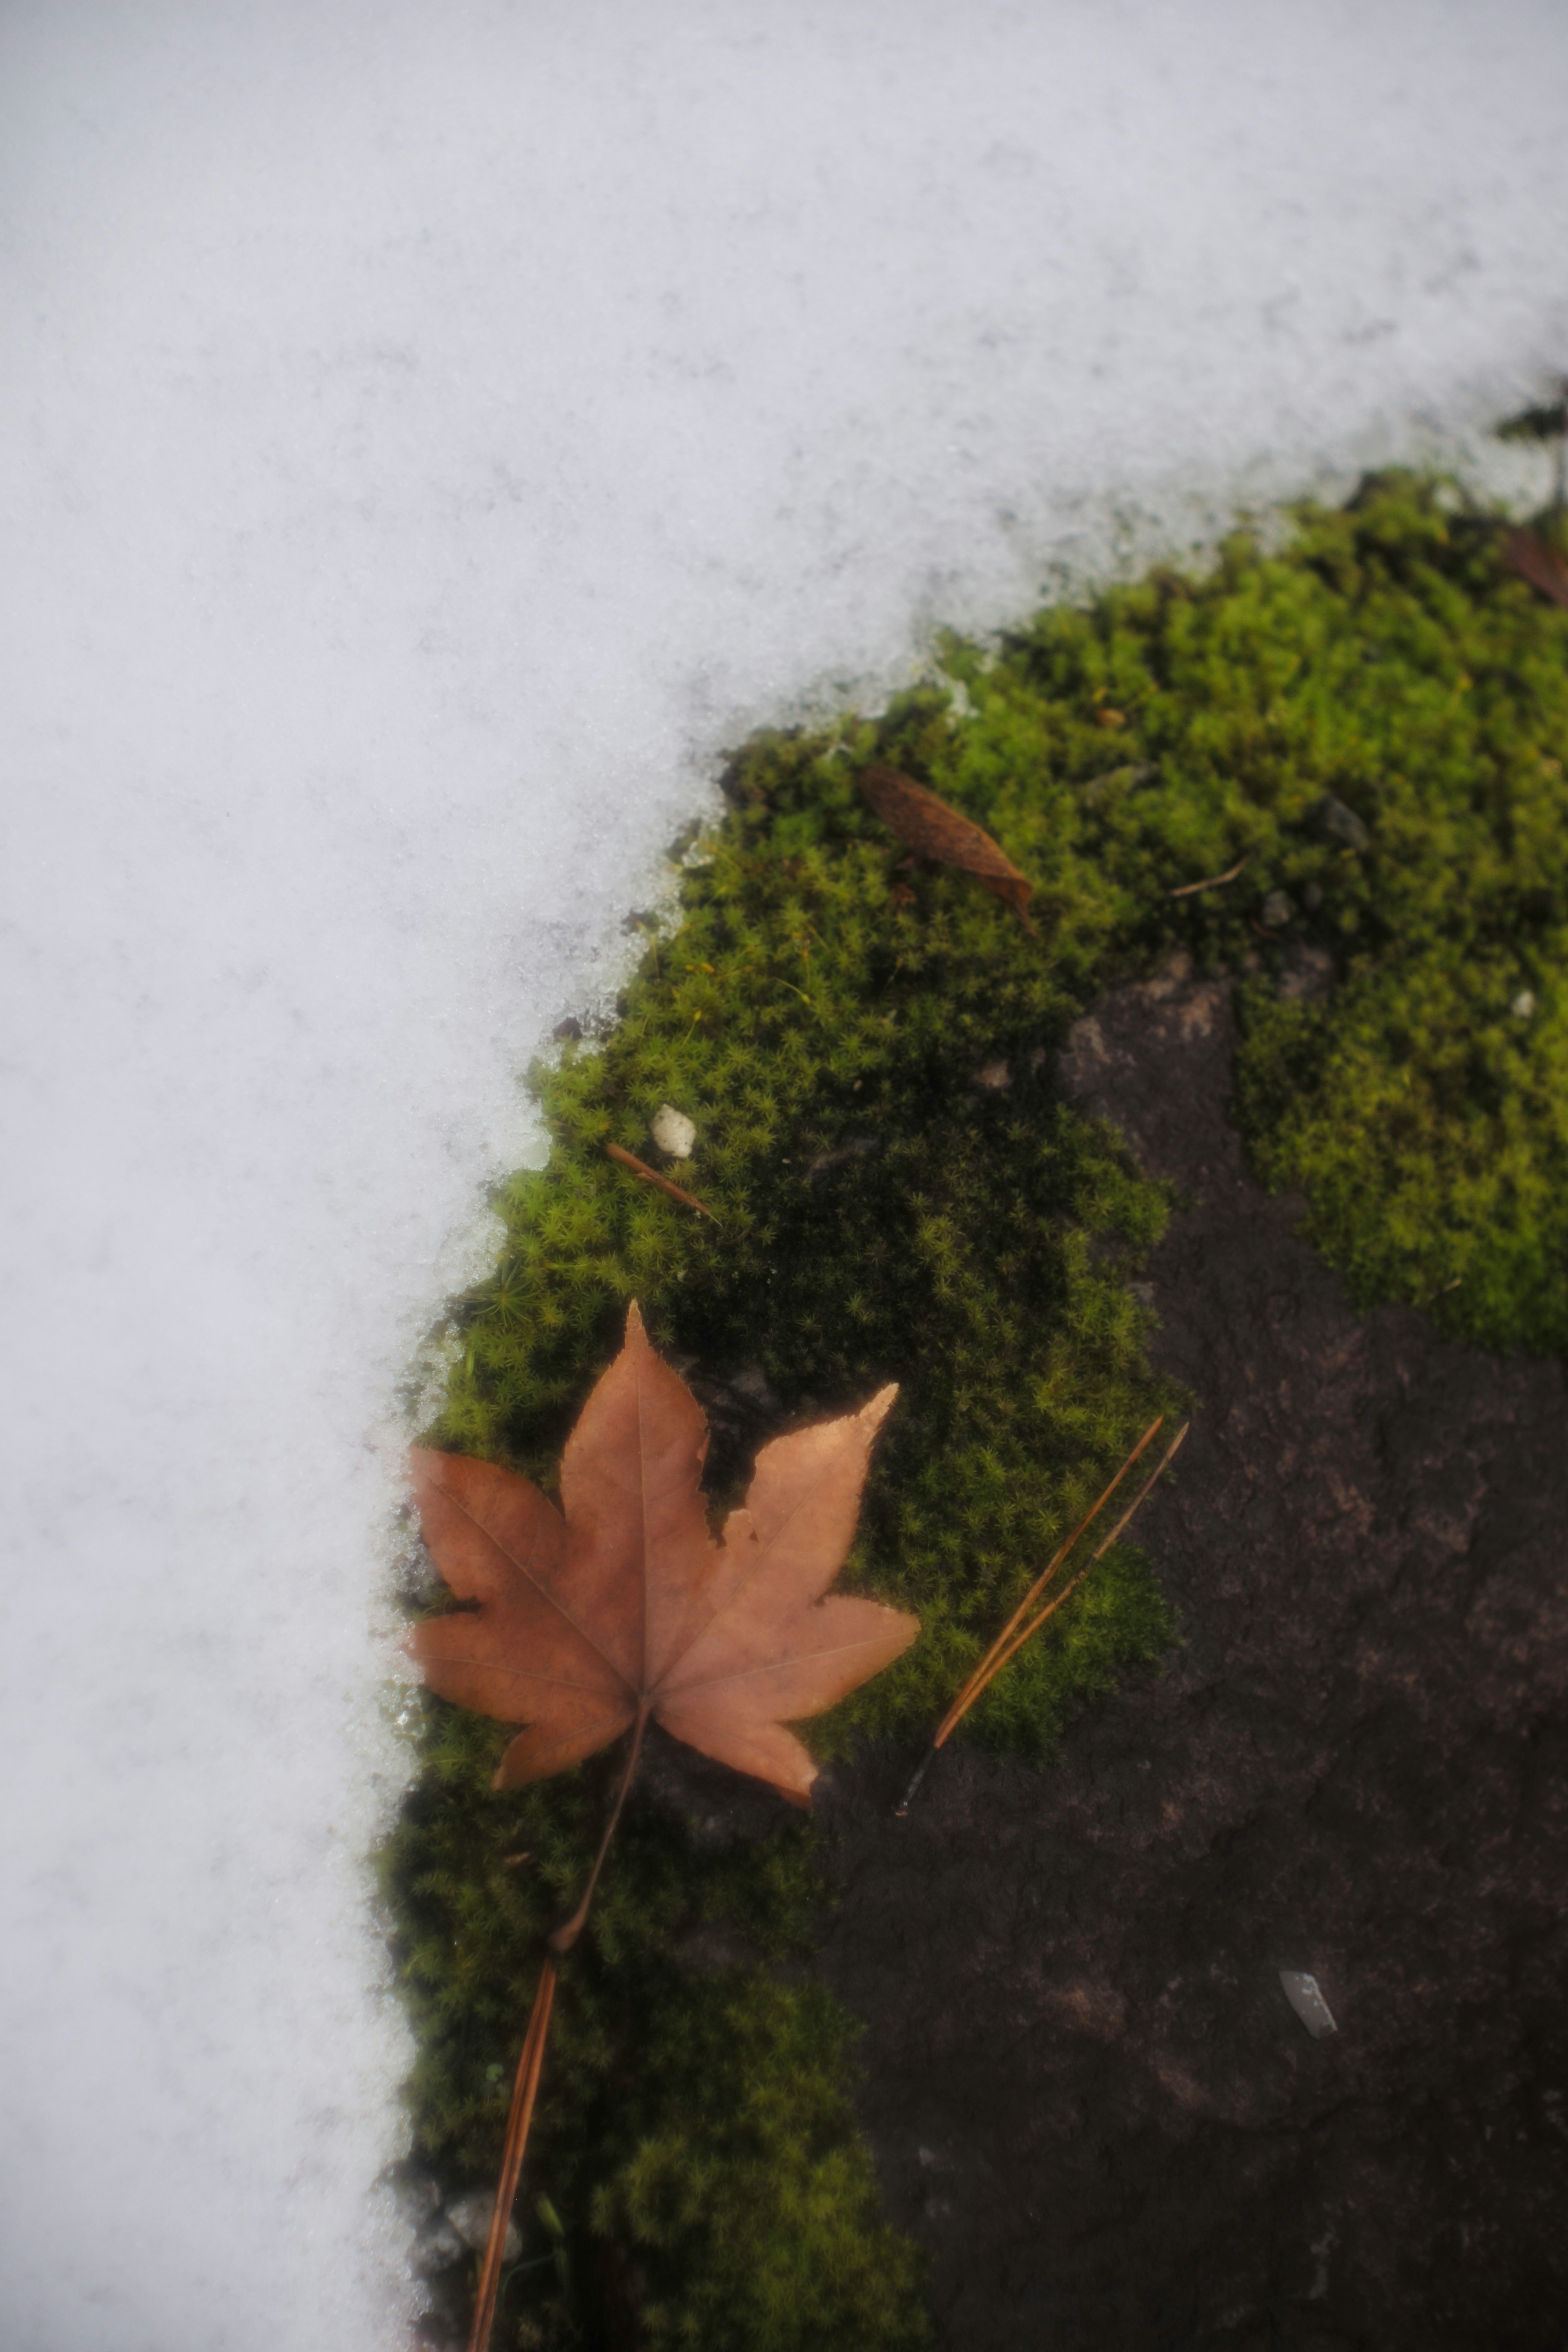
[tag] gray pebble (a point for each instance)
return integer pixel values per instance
(1340, 824)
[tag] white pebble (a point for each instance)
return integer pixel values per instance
(674, 1132)
(1301, 1992)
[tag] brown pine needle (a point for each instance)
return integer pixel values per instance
(1213, 881)
(520, 2117)
(1028, 1632)
(983, 1671)
(1016, 1633)
(647, 1175)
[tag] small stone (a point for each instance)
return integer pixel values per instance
(1523, 1004)
(470, 2214)
(995, 1078)
(1312, 898)
(674, 1132)
(1340, 823)
(1301, 1992)
(1278, 911)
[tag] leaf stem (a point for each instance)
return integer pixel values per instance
(525, 2086)
(566, 1935)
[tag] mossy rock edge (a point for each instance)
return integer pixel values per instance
(1373, 719)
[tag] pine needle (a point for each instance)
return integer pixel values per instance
(982, 1672)
(520, 2117)
(1213, 880)
(647, 1175)
(1017, 1631)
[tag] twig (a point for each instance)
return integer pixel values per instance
(525, 2086)
(640, 1169)
(1213, 881)
(1016, 1633)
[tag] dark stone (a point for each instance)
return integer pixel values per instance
(1089, 2097)
(1340, 824)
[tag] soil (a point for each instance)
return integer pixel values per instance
(1088, 2095)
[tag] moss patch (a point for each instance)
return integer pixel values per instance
(1373, 718)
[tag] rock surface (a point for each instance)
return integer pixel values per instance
(1089, 2099)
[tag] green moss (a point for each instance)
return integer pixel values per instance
(884, 1214)
(695, 2134)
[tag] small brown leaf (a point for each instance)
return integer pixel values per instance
(1534, 560)
(621, 1607)
(935, 830)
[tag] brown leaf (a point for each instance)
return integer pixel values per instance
(1534, 560)
(935, 830)
(621, 1606)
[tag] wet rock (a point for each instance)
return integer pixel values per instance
(1353, 1758)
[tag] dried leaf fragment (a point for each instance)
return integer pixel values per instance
(1524, 552)
(935, 830)
(620, 1607)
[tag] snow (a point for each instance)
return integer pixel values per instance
(429, 436)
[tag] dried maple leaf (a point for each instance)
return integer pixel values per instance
(625, 1609)
(933, 830)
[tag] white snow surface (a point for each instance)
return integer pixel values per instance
(430, 435)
